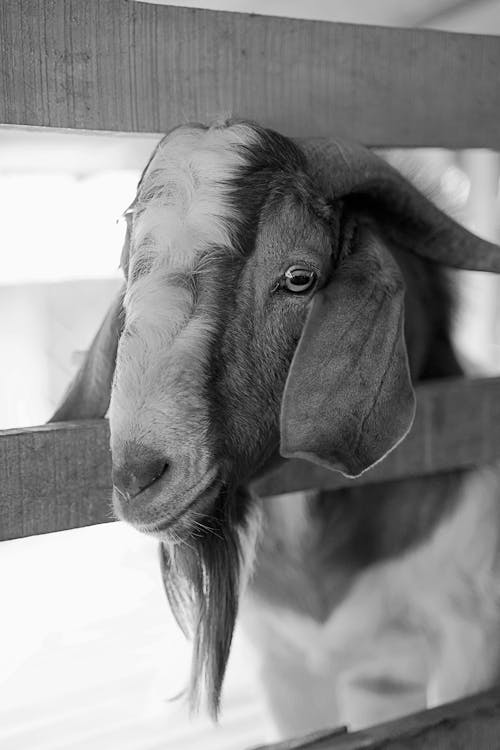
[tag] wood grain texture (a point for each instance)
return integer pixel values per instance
(469, 724)
(127, 66)
(59, 476)
(54, 477)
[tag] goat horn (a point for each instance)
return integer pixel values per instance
(346, 169)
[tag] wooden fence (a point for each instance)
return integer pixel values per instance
(58, 476)
(469, 724)
(131, 67)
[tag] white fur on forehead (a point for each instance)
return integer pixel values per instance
(183, 202)
(182, 212)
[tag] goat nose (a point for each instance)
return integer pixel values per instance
(139, 469)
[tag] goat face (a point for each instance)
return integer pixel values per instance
(227, 245)
(232, 246)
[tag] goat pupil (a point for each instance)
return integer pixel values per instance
(299, 279)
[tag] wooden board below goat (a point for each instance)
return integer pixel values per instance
(467, 724)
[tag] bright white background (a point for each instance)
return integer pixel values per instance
(89, 654)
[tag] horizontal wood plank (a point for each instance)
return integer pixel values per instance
(58, 476)
(130, 66)
(54, 477)
(468, 724)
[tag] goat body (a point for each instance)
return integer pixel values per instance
(341, 645)
(265, 317)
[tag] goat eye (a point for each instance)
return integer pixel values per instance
(299, 280)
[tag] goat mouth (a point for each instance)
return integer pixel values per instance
(201, 503)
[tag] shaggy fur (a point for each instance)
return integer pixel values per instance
(209, 335)
(198, 322)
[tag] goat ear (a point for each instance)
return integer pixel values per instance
(348, 399)
(89, 394)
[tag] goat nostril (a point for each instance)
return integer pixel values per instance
(138, 472)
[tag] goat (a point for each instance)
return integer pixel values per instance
(282, 298)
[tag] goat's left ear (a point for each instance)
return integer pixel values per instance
(348, 399)
(89, 393)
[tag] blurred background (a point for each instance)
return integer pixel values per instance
(90, 653)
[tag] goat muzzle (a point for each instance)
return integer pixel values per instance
(151, 494)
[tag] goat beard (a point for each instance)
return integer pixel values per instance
(201, 576)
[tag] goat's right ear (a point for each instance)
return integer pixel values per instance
(348, 399)
(89, 393)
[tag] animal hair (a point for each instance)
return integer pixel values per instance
(201, 578)
(211, 346)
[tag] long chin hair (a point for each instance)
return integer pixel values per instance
(201, 576)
